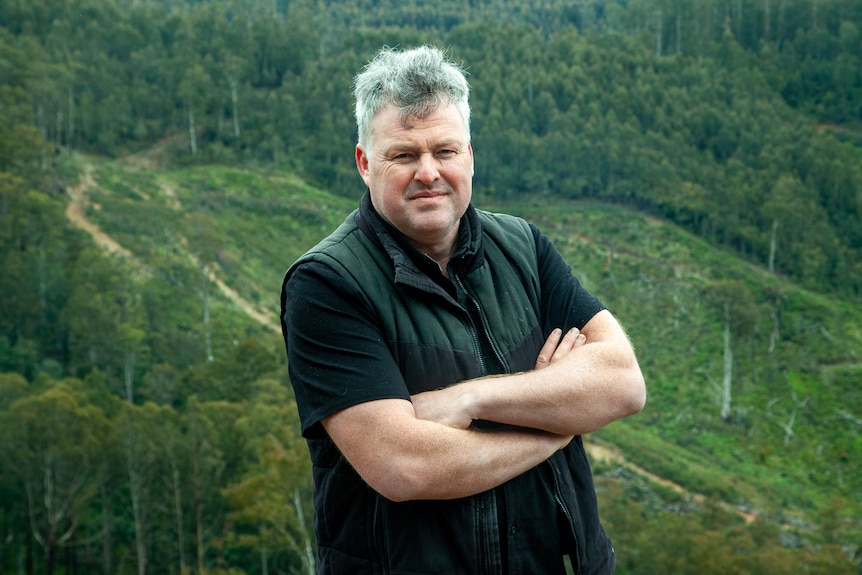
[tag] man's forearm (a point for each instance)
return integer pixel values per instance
(407, 458)
(575, 389)
(585, 393)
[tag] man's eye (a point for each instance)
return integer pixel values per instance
(446, 152)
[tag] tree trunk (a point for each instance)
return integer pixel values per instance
(205, 295)
(728, 368)
(814, 6)
(50, 554)
(58, 131)
(192, 134)
(178, 512)
(199, 517)
(106, 534)
(773, 335)
(772, 244)
(234, 98)
(308, 561)
(129, 374)
(71, 123)
(140, 544)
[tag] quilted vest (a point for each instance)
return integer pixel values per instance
(490, 324)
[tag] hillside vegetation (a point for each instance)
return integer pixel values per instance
(162, 163)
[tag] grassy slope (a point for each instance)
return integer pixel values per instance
(654, 277)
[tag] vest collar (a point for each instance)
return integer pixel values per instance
(408, 260)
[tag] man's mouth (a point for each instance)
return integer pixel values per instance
(427, 194)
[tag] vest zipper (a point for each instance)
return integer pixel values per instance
(558, 496)
(378, 535)
(487, 505)
(484, 552)
(483, 325)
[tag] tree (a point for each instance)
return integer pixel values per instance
(269, 497)
(206, 467)
(204, 241)
(55, 443)
(141, 436)
(738, 313)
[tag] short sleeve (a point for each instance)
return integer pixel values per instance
(565, 302)
(336, 355)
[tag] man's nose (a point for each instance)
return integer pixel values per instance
(427, 170)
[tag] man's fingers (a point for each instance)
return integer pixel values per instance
(558, 345)
(547, 351)
(573, 338)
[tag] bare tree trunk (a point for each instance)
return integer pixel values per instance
(234, 98)
(192, 135)
(773, 335)
(772, 243)
(178, 512)
(51, 553)
(140, 542)
(308, 561)
(779, 24)
(106, 535)
(71, 124)
(205, 296)
(788, 427)
(728, 368)
(199, 515)
(21, 560)
(814, 6)
(738, 20)
(43, 283)
(658, 27)
(58, 130)
(129, 374)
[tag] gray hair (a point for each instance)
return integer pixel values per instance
(414, 81)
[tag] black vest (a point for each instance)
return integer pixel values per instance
(488, 324)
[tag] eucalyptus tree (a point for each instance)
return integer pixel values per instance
(272, 498)
(738, 312)
(204, 239)
(55, 444)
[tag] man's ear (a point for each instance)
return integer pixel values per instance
(362, 163)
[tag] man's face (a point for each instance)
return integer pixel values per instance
(420, 174)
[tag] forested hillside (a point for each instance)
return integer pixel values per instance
(162, 162)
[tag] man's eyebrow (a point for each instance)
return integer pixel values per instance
(453, 143)
(389, 150)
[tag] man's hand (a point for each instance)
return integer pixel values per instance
(449, 406)
(556, 348)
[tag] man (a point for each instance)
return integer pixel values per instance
(445, 360)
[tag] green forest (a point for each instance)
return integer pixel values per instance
(162, 162)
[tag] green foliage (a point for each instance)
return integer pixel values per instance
(727, 121)
(676, 152)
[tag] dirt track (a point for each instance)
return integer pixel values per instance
(76, 213)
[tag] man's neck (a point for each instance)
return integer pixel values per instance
(440, 251)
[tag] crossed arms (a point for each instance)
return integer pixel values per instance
(426, 449)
